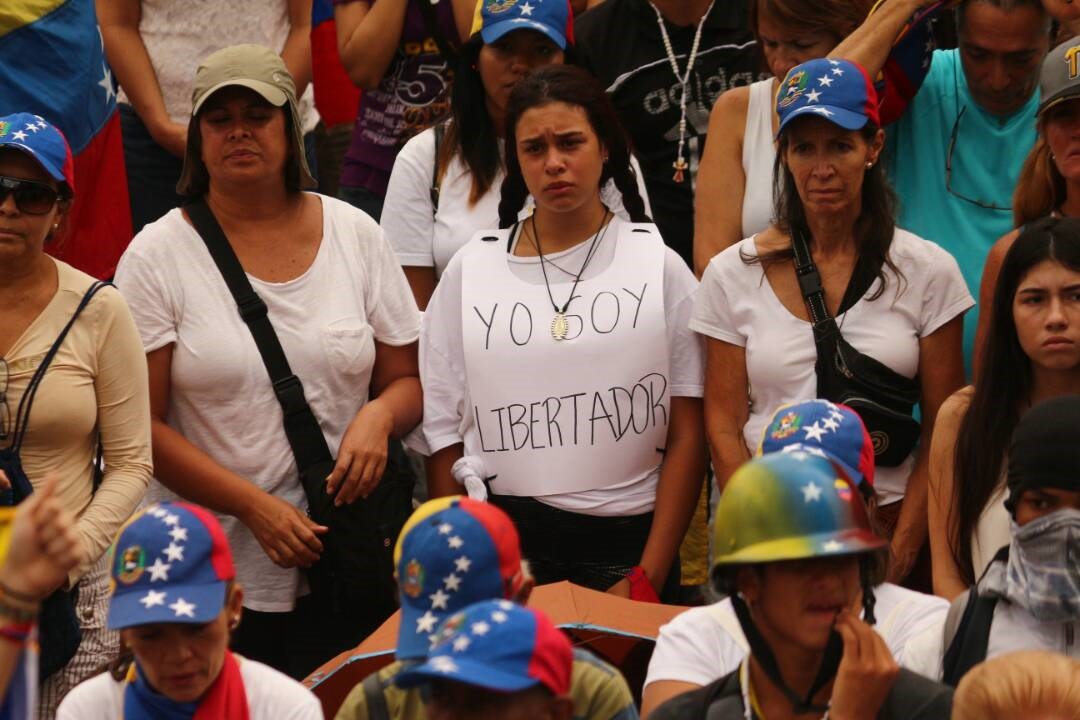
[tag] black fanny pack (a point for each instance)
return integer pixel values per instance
(882, 397)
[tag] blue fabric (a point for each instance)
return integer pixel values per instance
(986, 162)
(141, 702)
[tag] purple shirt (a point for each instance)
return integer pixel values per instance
(413, 95)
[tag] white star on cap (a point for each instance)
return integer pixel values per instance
(815, 431)
(183, 608)
(18, 135)
(825, 80)
(178, 533)
(439, 599)
(41, 122)
(157, 511)
(526, 9)
(463, 564)
(832, 546)
(426, 622)
(32, 127)
(461, 643)
(834, 62)
(174, 552)
(455, 542)
(499, 616)
(506, 605)
(445, 528)
(153, 598)
(171, 518)
(452, 582)
(822, 111)
(443, 664)
(829, 423)
(480, 628)
(837, 71)
(836, 414)
(159, 570)
(812, 96)
(811, 492)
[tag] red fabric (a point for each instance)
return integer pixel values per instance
(336, 98)
(99, 225)
(220, 554)
(640, 587)
(226, 697)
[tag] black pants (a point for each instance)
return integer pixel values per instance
(592, 551)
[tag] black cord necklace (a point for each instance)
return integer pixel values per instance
(559, 326)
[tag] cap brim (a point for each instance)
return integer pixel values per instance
(126, 609)
(266, 91)
(54, 172)
(469, 672)
(495, 31)
(804, 547)
(1070, 93)
(842, 117)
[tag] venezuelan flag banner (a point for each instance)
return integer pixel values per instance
(20, 700)
(336, 98)
(52, 64)
(909, 61)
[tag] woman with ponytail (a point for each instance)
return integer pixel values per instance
(556, 354)
(1049, 182)
(445, 183)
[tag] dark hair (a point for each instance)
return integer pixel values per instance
(1004, 384)
(838, 18)
(575, 87)
(472, 135)
(874, 227)
(200, 178)
(1005, 6)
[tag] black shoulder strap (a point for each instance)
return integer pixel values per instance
(440, 132)
(377, 708)
(431, 24)
(22, 415)
(812, 291)
(302, 429)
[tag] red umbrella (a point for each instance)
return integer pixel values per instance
(619, 630)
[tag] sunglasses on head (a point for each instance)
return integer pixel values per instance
(31, 198)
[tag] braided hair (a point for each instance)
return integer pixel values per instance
(577, 88)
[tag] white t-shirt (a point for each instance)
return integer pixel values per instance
(179, 36)
(271, 695)
(442, 361)
(737, 305)
(422, 238)
(221, 399)
(705, 643)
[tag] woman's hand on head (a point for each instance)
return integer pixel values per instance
(361, 459)
(45, 545)
(287, 536)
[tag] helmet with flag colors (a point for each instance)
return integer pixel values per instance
(790, 506)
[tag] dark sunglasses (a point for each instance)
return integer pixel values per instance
(32, 198)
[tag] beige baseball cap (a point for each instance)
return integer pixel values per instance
(259, 69)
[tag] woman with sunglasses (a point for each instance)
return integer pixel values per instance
(64, 397)
(896, 300)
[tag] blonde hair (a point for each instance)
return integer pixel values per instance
(1030, 683)
(1040, 189)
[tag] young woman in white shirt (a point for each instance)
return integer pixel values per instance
(556, 358)
(895, 297)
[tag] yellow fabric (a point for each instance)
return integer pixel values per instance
(419, 515)
(7, 518)
(16, 13)
(694, 552)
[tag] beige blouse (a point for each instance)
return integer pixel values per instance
(97, 381)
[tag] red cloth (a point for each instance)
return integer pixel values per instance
(336, 98)
(226, 697)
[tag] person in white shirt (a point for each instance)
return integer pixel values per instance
(703, 644)
(175, 600)
(347, 324)
(894, 301)
(444, 187)
(556, 359)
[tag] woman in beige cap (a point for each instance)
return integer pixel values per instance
(346, 321)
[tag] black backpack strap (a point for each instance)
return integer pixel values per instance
(374, 699)
(812, 290)
(301, 428)
(440, 133)
(22, 414)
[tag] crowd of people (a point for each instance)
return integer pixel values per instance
(727, 354)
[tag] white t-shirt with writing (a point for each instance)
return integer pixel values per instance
(737, 305)
(426, 237)
(706, 643)
(271, 695)
(448, 418)
(221, 399)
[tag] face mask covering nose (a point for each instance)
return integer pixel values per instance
(1043, 572)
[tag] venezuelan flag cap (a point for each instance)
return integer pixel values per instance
(42, 141)
(839, 91)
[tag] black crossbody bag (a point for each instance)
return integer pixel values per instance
(882, 397)
(355, 571)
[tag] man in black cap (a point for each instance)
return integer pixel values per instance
(1029, 596)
